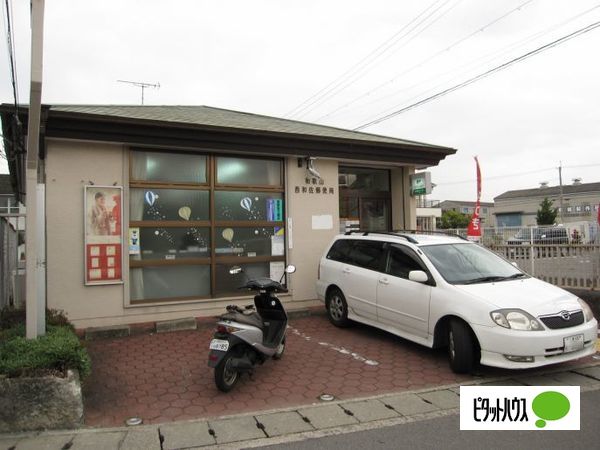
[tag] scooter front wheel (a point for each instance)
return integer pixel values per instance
(225, 376)
(280, 349)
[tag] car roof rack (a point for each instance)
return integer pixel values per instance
(436, 232)
(410, 239)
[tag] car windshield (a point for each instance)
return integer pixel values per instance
(470, 264)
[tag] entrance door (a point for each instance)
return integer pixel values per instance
(374, 214)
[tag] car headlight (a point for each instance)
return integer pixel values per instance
(516, 319)
(587, 311)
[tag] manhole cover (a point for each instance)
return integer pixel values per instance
(326, 397)
(132, 421)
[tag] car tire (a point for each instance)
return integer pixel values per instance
(226, 377)
(462, 347)
(337, 308)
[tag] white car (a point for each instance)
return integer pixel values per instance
(443, 291)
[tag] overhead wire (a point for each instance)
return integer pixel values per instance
(362, 69)
(359, 63)
(513, 175)
(485, 74)
(476, 62)
(11, 54)
(425, 61)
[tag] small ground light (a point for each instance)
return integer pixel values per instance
(133, 421)
(326, 397)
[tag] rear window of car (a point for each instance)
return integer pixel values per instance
(340, 250)
(366, 254)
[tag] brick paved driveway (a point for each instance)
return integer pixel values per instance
(164, 377)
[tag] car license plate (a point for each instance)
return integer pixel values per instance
(573, 343)
(219, 344)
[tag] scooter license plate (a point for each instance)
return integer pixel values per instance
(219, 344)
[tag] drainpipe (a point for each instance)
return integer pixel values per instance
(35, 309)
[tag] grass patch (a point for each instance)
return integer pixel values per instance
(54, 353)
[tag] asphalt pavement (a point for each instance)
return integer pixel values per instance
(444, 432)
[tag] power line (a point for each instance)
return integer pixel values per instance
(559, 41)
(514, 175)
(426, 60)
(488, 58)
(362, 67)
(11, 54)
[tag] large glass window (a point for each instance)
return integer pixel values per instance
(168, 204)
(251, 206)
(186, 218)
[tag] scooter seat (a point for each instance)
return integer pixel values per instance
(252, 319)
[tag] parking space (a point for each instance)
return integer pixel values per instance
(164, 377)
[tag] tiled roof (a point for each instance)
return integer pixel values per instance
(223, 118)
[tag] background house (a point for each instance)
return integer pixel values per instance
(519, 207)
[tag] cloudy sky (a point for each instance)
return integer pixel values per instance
(346, 63)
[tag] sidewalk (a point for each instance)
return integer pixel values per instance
(268, 427)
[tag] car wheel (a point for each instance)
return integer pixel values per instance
(225, 376)
(280, 349)
(462, 349)
(337, 308)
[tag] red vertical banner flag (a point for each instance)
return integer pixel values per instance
(474, 228)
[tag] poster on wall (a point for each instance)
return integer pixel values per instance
(103, 234)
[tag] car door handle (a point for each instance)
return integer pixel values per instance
(384, 281)
(346, 270)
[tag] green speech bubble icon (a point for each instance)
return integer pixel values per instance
(550, 405)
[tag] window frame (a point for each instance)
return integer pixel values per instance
(413, 254)
(212, 224)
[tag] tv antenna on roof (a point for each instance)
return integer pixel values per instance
(141, 85)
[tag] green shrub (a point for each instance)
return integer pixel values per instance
(57, 351)
(10, 317)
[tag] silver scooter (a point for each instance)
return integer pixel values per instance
(247, 337)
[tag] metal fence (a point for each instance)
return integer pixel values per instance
(566, 256)
(12, 252)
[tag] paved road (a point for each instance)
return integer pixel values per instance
(444, 433)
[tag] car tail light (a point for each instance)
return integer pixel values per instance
(222, 329)
(213, 357)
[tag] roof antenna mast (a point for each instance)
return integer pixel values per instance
(141, 85)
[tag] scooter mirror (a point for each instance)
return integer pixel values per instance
(235, 270)
(290, 269)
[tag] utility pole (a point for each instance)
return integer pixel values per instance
(561, 191)
(34, 304)
(141, 85)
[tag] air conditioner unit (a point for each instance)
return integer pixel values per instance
(343, 180)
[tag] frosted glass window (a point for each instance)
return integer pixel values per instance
(252, 172)
(168, 167)
(168, 282)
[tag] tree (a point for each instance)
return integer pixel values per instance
(546, 215)
(454, 219)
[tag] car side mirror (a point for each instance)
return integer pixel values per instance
(418, 275)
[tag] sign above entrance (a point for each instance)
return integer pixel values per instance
(420, 183)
